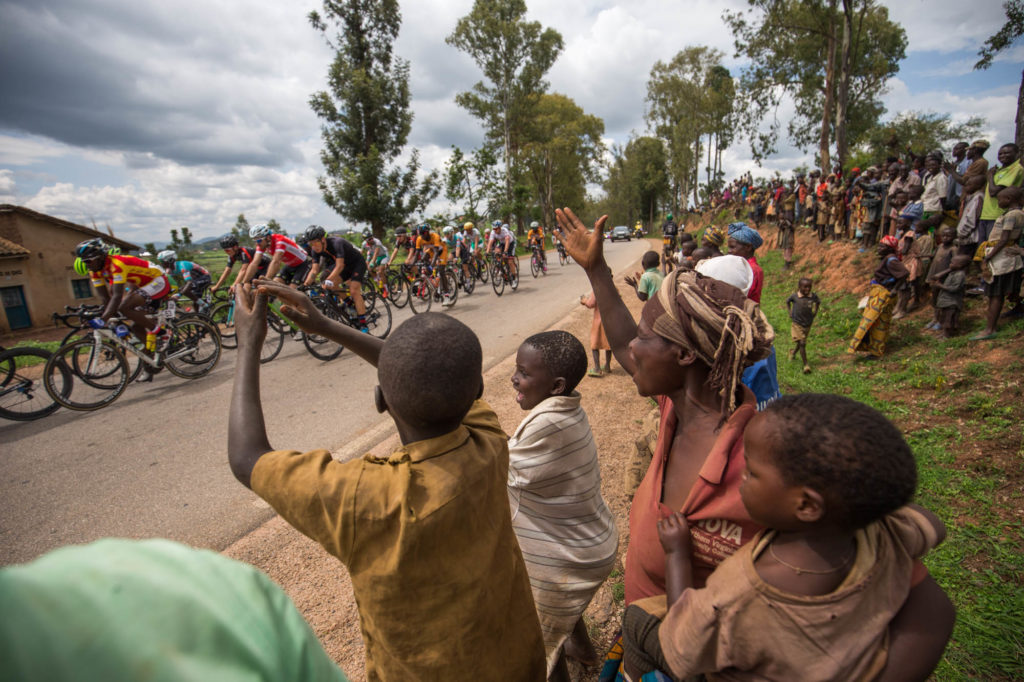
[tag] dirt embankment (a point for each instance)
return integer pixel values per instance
(320, 585)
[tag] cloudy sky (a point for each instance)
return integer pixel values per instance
(147, 116)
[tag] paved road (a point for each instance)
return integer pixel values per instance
(73, 477)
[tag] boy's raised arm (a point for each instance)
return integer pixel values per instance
(587, 249)
(247, 432)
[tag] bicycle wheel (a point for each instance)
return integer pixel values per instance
(370, 293)
(23, 396)
(563, 257)
(272, 345)
(534, 265)
(84, 360)
(398, 287)
(468, 281)
(498, 278)
(277, 322)
(378, 321)
(449, 287)
(422, 295)
(193, 350)
(482, 270)
(513, 274)
(223, 316)
(320, 347)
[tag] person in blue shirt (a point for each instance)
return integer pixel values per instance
(192, 278)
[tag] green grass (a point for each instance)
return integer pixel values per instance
(950, 403)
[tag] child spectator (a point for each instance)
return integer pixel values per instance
(1003, 258)
(949, 299)
(968, 234)
(910, 208)
(648, 283)
(566, 531)
(803, 306)
(425, 532)
(702, 253)
(685, 256)
(918, 257)
(598, 339)
(944, 253)
(812, 596)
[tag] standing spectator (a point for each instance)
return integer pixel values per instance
(955, 171)
(949, 285)
(976, 164)
(743, 242)
(648, 283)
(787, 238)
(873, 330)
(944, 253)
(1002, 259)
(1008, 174)
(801, 198)
(803, 306)
(903, 181)
(872, 193)
(935, 187)
(598, 339)
(967, 231)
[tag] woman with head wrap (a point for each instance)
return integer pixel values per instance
(873, 331)
(744, 241)
(694, 339)
(713, 238)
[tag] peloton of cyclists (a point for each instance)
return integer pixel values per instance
(343, 263)
(239, 254)
(193, 279)
(289, 262)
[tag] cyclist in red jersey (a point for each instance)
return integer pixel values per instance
(239, 254)
(289, 262)
(111, 274)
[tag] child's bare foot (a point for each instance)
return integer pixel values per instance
(579, 647)
(807, 369)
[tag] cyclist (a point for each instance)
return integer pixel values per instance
(289, 262)
(193, 278)
(557, 243)
(467, 246)
(449, 238)
(535, 237)
(434, 251)
(404, 241)
(669, 230)
(343, 263)
(239, 254)
(375, 253)
(502, 241)
(111, 274)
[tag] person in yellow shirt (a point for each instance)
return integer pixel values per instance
(425, 532)
(536, 237)
(431, 247)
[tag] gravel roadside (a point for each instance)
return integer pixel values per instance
(319, 584)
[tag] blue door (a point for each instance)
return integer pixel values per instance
(14, 305)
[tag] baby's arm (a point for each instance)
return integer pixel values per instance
(674, 534)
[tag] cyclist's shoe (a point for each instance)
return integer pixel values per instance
(364, 329)
(297, 335)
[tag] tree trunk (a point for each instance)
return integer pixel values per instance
(826, 109)
(844, 83)
(1019, 134)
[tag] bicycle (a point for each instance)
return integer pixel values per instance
(223, 318)
(537, 264)
(189, 348)
(563, 257)
(421, 291)
(505, 271)
(22, 395)
(378, 319)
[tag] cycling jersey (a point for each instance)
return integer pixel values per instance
(244, 256)
(669, 229)
(147, 277)
(187, 269)
(335, 248)
(537, 234)
(293, 254)
(433, 242)
(471, 239)
(126, 270)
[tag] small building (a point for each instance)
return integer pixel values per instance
(37, 273)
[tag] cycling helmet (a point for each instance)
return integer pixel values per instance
(424, 229)
(467, 226)
(91, 248)
(302, 240)
(228, 240)
(315, 232)
(401, 232)
(114, 251)
(167, 256)
(496, 223)
(259, 232)
(80, 267)
(448, 229)
(534, 225)
(367, 233)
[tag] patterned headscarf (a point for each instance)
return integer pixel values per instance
(745, 234)
(726, 330)
(713, 235)
(890, 241)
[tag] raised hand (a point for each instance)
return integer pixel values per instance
(585, 247)
(250, 317)
(296, 305)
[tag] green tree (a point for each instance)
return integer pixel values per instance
(637, 181)
(834, 63)
(176, 242)
(470, 182)
(275, 227)
(186, 241)
(917, 130)
(690, 107)
(1004, 37)
(514, 55)
(562, 151)
(366, 118)
(150, 247)
(241, 230)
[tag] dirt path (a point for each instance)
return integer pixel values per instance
(320, 585)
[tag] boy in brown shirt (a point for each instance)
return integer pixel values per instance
(426, 532)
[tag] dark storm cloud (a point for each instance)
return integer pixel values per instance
(125, 78)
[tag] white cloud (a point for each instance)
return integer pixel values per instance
(947, 26)
(8, 187)
(998, 107)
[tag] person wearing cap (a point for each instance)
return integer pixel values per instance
(744, 241)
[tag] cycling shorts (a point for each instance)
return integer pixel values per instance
(200, 283)
(356, 271)
(379, 259)
(295, 273)
(511, 250)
